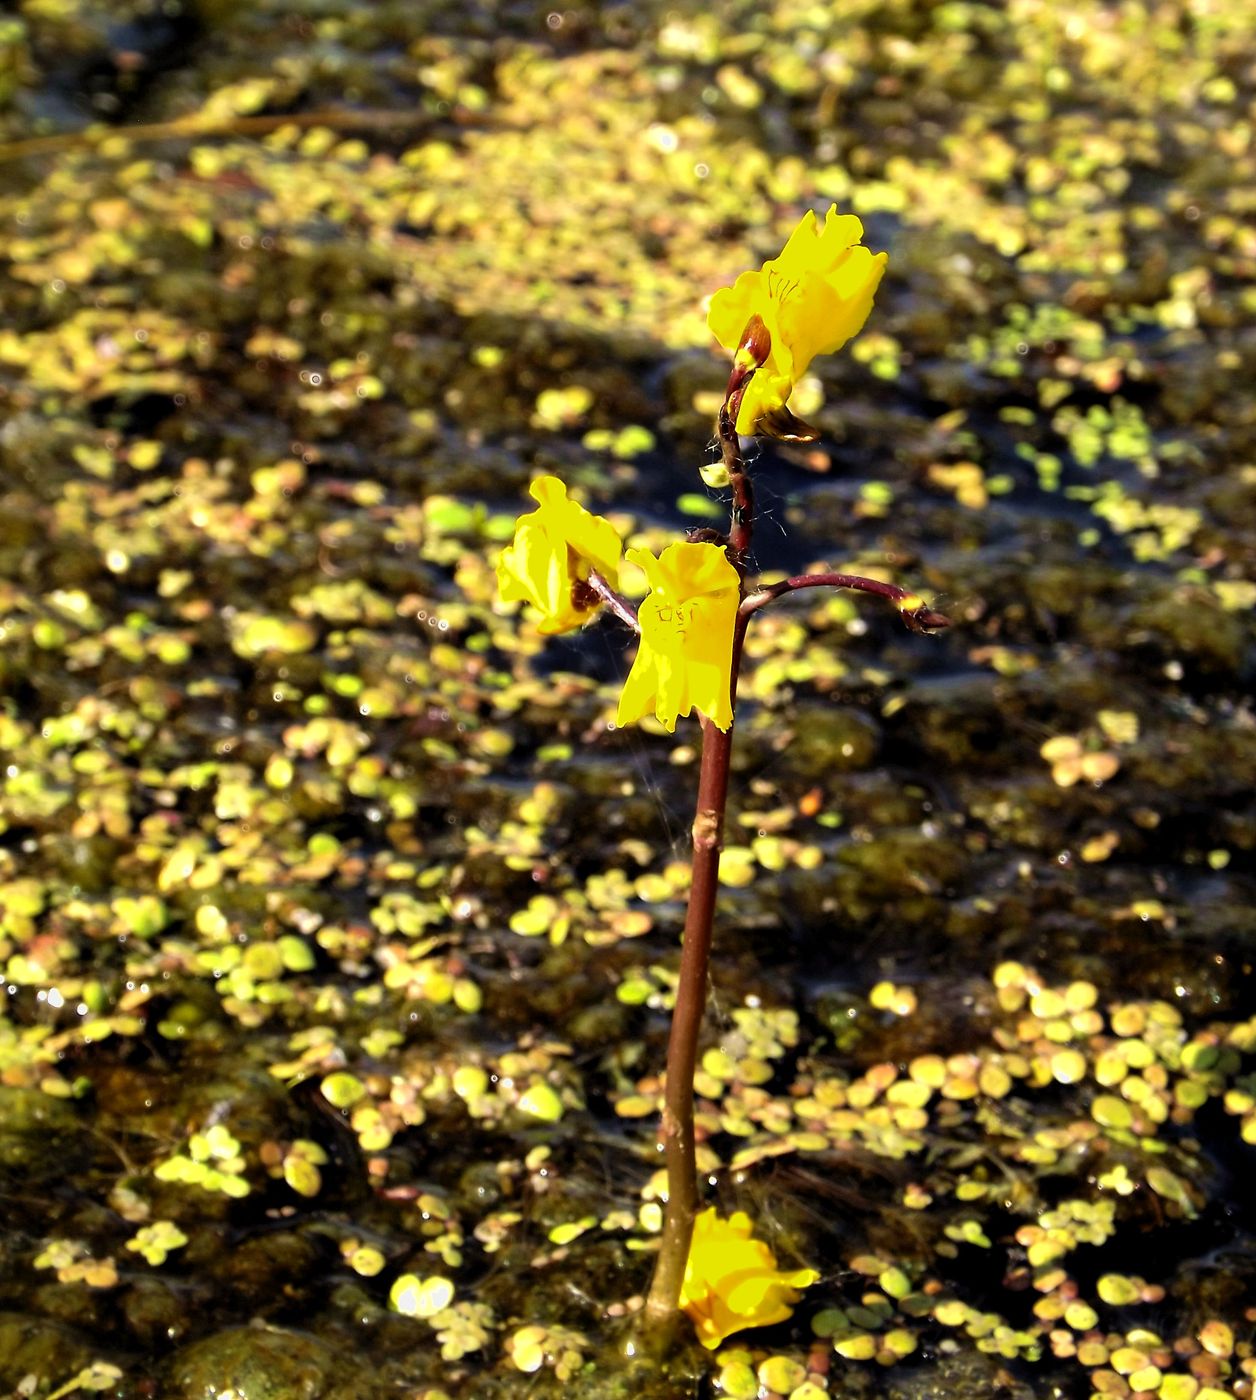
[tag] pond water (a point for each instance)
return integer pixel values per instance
(339, 925)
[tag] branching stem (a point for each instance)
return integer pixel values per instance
(676, 1130)
(911, 607)
(621, 607)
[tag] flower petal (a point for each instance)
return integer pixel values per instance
(555, 547)
(732, 1282)
(685, 657)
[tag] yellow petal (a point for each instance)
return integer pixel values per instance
(732, 1282)
(731, 307)
(555, 546)
(685, 657)
(763, 395)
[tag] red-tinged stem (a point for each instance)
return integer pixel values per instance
(622, 609)
(911, 607)
(676, 1130)
(741, 525)
(754, 349)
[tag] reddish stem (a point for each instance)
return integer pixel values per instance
(676, 1129)
(622, 609)
(911, 606)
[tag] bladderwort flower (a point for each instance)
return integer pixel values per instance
(554, 551)
(731, 1279)
(685, 659)
(811, 299)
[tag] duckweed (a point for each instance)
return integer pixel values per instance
(337, 925)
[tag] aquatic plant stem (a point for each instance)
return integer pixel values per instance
(676, 1131)
(911, 607)
(604, 593)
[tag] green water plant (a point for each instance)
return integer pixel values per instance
(691, 625)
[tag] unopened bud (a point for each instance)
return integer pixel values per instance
(755, 345)
(924, 619)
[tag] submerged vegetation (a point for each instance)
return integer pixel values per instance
(339, 927)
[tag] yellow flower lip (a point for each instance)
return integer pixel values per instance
(554, 550)
(811, 300)
(731, 1279)
(685, 659)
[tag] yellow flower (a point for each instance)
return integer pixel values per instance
(732, 1282)
(554, 550)
(686, 652)
(811, 299)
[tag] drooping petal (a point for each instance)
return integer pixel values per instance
(732, 1282)
(684, 661)
(554, 548)
(731, 307)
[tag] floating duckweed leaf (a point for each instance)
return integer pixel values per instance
(1217, 1338)
(781, 1374)
(1111, 1112)
(561, 1348)
(1178, 1387)
(255, 634)
(885, 996)
(1118, 1291)
(365, 1260)
(1171, 1186)
(1068, 1066)
(859, 1346)
(1081, 1317)
(737, 1380)
(829, 1321)
(993, 1080)
(929, 1070)
(542, 1102)
(470, 1082)
(572, 1230)
(639, 1106)
(526, 1348)
(560, 408)
(951, 1312)
(301, 1168)
(156, 1241)
(413, 1296)
(1126, 1360)
(343, 1090)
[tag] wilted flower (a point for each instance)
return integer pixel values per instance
(732, 1282)
(554, 550)
(811, 300)
(686, 654)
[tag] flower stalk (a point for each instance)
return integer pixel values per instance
(676, 1130)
